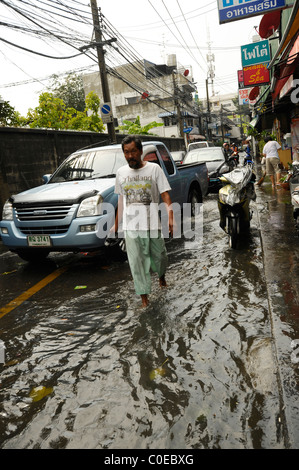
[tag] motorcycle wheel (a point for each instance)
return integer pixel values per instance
(233, 232)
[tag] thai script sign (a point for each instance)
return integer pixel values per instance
(244, 96)
(240, 79)
(256, 75)
(255, 53)
(232, 10)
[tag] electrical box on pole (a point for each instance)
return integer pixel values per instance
(102, 67)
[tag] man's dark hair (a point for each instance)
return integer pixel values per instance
(132, 138)
(268, 138)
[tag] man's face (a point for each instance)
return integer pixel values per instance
(133, 156)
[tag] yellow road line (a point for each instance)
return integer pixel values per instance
(30, 292)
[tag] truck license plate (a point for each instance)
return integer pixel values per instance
(39, 240)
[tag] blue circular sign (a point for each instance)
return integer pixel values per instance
(106, 109)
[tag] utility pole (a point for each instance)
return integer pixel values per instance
(177, 104)
(222, 129)
(102, 65)
(208, 108)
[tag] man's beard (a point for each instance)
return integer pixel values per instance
(135, 164)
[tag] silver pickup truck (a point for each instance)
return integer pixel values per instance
(63, 214)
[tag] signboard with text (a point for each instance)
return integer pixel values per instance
(244, 96)
(256, 75)
(240, 79)
(232, 10)
(255, 53)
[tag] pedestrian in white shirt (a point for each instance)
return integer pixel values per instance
(270, 151)
(140, 185)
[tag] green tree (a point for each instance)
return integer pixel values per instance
(259, 136)
(70, 91)
(53, 113)
(8, 115)
(135, 127)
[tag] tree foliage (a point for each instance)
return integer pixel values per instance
(135, 127)
(8, 115)
(70, 91)
(259, 136)
(53, 113)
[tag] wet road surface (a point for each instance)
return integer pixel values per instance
(205, 366)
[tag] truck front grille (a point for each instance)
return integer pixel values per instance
(39, 213)
(45, 230)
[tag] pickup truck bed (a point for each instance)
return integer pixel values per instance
(64, 213)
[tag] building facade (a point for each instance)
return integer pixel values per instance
(160, 93)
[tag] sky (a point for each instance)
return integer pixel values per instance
(153, 29)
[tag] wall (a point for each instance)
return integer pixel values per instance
(27, 154)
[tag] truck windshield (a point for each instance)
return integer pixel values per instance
(89, 164)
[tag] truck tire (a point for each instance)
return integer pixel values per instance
(33, 256)
(194, 198)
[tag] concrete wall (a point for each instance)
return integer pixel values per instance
(27, 154)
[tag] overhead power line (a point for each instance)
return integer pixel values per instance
(39, 53)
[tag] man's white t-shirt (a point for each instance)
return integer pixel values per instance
(270, 149)
(141, 190)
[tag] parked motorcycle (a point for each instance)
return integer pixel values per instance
(294, 190)
(234, 201)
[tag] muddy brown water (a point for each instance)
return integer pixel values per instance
(195, 370)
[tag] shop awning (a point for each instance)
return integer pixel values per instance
(261, 102)
(289, 33)
(167, 114)
(174, 113)
(254, 121)
(285, 68)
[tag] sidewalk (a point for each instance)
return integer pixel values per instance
(280, 242)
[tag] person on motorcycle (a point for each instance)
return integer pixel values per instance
(234, 152)
(226, 149)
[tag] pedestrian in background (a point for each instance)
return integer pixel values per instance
(270, 151)
(139, 186)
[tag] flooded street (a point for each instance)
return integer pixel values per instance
(206, 366)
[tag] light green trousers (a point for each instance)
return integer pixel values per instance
(145, 253)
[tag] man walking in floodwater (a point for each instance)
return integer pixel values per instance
(270, 151)
(139, 186)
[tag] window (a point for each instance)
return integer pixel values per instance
(170, 121)
(152, 157)
(166, 159)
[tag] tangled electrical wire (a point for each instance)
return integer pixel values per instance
(55, 22)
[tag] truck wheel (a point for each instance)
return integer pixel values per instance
(194, 198)
(33, 256)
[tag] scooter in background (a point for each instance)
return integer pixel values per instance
(234, 200)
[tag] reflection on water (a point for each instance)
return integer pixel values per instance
(193, 370)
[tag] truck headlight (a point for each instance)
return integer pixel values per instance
(7, 212)
(90, 206)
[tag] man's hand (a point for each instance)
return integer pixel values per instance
(167, 200)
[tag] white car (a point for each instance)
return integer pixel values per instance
(200, 145)
(216, 160)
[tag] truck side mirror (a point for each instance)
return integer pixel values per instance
(46, 178)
